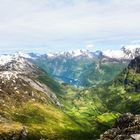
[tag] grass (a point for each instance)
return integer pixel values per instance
(86, 113)
(52, 84)
(108, 118)
(48, 121)
(10, 127)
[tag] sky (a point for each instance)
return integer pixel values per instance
(63, 25)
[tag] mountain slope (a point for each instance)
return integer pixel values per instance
(101, 105)
(131, 76)
(29, 108)
(18, 75)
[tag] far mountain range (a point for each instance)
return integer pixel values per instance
(82, 68)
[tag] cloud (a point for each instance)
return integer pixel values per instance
(114, 53)
(135, 41)
(132, 46)
(41, 22)
(90, 47)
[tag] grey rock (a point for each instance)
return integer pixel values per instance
(127, 127)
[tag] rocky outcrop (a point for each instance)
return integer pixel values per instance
(127, 127)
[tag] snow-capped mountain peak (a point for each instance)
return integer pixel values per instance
(128, 52)
(74, 54)
(118, 54)
(16, 63)
(17, 56)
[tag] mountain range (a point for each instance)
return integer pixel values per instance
(80, 68)
(34, 105)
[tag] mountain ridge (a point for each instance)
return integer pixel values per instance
(19, 70)
(30, 106)
(78, 70)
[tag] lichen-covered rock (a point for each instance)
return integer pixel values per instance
(127, 127)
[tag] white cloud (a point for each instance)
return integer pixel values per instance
(135, 42)
(114, 53)
(90, 46)
(132, 46)
(39, 22)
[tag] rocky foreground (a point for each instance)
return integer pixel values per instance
(127, 127)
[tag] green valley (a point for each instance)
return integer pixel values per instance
(33, 106)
